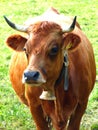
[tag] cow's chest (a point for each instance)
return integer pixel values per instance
(61, 108)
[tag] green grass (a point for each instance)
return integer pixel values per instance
(13, 114)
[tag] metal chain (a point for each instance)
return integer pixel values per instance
(48, 120)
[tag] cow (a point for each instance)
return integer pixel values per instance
(52, 69)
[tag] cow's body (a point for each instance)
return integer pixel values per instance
(69, 104)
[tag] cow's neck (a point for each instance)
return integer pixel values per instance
(50, 95)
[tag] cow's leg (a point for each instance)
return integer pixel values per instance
(60, 126)
(32, 96)
(75, 119)
(38, 117)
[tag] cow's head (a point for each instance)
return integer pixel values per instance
(44, 49)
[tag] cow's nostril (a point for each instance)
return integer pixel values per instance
(35, 74)
(31, 75)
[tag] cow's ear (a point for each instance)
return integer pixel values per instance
(16, 42)
(71, 41)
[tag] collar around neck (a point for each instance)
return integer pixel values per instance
(64, 72)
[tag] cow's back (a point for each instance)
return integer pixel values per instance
(82, 67)
(17, 66)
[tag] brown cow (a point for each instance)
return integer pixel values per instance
(55, 73)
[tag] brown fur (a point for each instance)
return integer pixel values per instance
(69, 104)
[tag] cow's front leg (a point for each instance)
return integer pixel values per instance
(75, 119)
(32, 96)
(38, 117)
(60, 125)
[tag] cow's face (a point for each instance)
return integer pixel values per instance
(44, 49)
(44, 53)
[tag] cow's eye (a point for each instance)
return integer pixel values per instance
(25, 50)
(54, 50)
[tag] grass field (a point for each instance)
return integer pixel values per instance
(13, 114)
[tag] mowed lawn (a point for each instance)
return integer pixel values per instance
(13, 114)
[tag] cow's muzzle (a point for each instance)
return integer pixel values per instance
(33, 78)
